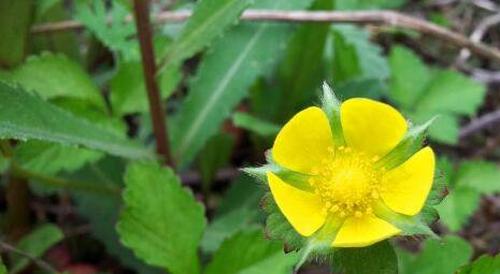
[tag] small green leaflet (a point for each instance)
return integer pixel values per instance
(471, 179)
(436, 257)
(36, 244)
(162, 222)
(117, 34)
(25, 116)
(423, 93)
(209, 20)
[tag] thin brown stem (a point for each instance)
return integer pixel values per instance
(141, 13)
(383, 17)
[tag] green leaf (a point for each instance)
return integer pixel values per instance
(485, 264)
(209, 20)
(15, 22)
(36, 244)
(355, 56)
(215, 155)
(302, 69)
(101, 210)
(50, 158)
(3, 269)
(25, 116)
(55, 76)
(409, 78)
(472, 179)
(379, 258)
(128, 90)
(259, 256)
(458, 206)
(115, 34)
(481, 176)
(423, 93)
(254, 124)
(162, 222)
(224, 76)
(237, 211)
(436, 257)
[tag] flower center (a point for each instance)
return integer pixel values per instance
(347, 182)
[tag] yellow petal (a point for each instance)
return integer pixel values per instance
(370, 126)
(363, 231)
(406, 187)
(302, 209)
(303, 142)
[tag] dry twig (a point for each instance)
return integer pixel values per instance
(390, 18)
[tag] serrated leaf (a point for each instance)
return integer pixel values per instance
(485, 264)
(209, 20)
(260, 256)
(482, 176)
(452, 92)
(254, 124)
(410, 76)
(36, 244)
(436, 257)
(472, 179)
(25, 116)
(362, 59)
(379, 258)
(115, 34)
(224, 77)
(101, 210)
(423, 93)
(162, 222)
(55, 76)
(458, 206)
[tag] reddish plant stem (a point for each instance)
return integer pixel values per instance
(141, 14)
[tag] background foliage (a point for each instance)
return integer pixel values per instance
(83, 192)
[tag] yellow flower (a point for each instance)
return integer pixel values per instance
(347, 187)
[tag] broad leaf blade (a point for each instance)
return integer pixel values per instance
(209, 20)
(162, 222)
(25, 116)
(223, 78)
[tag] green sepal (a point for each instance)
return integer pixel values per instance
(293, 178)
(409, 225)
(331, 106)
(411, 143)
